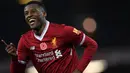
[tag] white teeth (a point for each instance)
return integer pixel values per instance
(31, 20)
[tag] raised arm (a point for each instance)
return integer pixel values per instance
(15, 66)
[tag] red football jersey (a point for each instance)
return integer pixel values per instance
(53, 51)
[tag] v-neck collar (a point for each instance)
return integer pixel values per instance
(43, 32)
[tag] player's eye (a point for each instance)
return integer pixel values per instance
(26, 12)
(33, 10)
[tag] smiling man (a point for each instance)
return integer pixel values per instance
(50, 46)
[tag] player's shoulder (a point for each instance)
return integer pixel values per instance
(61, 26)
(56, 25)
(66, 29)
(71, 30)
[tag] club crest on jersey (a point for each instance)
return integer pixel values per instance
(76, 31)
(32, 48)
(43, 46)
(54, 42)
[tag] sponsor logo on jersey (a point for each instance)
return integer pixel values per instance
(76, 31)
(48, 56)
(43, 46)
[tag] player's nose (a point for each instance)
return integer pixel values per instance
(29, 15)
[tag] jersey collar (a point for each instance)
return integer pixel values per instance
(43, 32)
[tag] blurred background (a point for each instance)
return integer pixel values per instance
(106, 21)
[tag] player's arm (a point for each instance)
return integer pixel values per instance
(79, 38)
(90, 48)
(15, 66)
(23, 54)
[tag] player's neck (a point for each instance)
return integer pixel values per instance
(40, 30)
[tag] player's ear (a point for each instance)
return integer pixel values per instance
(44, 14)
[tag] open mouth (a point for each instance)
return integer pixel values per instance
(32, 21)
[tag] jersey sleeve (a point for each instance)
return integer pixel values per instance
(16, 67)
(73, 35)
(23, 53)
(77, 37)
(90, 48)
(18, 63)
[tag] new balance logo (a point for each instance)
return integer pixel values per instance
(32, 48)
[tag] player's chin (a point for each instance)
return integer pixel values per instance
(32, 27)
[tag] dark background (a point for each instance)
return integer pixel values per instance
(112, 34)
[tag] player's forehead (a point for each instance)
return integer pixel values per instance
(31, 6)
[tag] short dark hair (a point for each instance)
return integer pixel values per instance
(36, 2)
